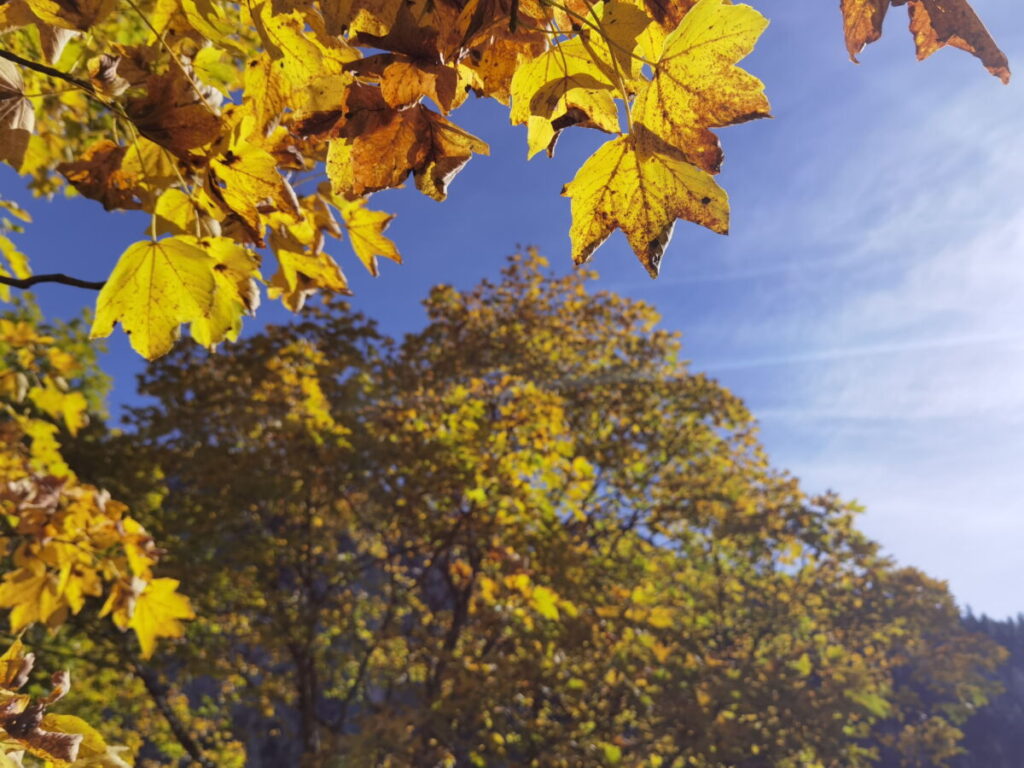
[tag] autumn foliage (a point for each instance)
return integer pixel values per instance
(204, 114)
(526, 535)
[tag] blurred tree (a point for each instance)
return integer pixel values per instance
(526, 535)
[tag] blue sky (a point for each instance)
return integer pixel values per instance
(867, 305)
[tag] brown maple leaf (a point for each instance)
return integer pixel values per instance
(938, 23)
(98, 176)
(173, 115)
(378, 146)
(934, 24)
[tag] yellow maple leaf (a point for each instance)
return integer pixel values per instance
(159, 285)
(153, 609)
(69, 406)
(366, 233)
(302, 271)
(562, 87)
(235, 272)
(697, 85)
(30, 593)
(159, 611)
(72, 14)
(641, 192)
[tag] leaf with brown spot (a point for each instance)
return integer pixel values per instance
(697, 85)
(626, 186)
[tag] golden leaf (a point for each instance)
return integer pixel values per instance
(71, 407)
(72, 14)
(235, 272)
(379, 147)
(158, 612)
(641, 192)
(366, 233)
(697, 84)
(31, 595)
(373, 17)
(302, 270)
(562, 87)
(158, 285)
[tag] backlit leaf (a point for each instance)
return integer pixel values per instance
(642, 192)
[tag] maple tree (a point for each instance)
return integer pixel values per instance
(526, 535)
(203, 113)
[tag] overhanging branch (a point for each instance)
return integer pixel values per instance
(55, 277)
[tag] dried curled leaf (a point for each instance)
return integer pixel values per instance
(937, 23)
(17, 118)
(933, 23)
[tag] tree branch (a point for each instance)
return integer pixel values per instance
(49, 71)
(158, 692)
(56, 277)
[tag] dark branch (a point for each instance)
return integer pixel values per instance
(49, 71)
(28, 282)
(158, 691)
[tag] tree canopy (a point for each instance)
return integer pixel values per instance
(527, 534)
(207, 115)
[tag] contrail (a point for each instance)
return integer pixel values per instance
(843, 353)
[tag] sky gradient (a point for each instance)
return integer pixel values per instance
(867, 305)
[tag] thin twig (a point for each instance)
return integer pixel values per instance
(56, 277)
(49, 71)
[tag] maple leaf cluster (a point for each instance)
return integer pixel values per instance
(68, 540)
(212, 116)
